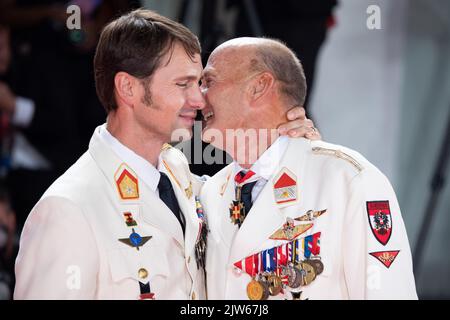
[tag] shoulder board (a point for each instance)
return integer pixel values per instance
(338, 154)
(165, 146)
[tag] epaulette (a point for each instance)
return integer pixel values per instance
(165, 147)
(338, 154)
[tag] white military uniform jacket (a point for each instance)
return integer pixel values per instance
(70, 246)
(361, 261)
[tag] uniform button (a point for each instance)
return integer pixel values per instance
(189, 259)
(142, 273)
(193, 295)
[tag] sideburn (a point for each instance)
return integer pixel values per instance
(147, 98)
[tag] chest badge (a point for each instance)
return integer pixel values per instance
(285, 187)
(135, 240)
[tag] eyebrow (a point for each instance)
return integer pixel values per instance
(188, 78)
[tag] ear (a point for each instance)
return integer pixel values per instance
(125, 88)
(261, 86)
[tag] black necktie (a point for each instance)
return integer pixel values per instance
(167, 195)
(246, 196)
(246, 193)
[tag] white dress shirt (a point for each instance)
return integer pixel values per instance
(266, 165)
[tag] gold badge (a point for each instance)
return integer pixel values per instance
(127, 183)
(289, 231)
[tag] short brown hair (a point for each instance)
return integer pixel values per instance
(135, 43)
(274, 56)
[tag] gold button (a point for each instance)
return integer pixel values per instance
(189, 259)
(143, 273)
(193, 295)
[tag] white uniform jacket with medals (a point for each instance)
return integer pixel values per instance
(326, 226)
(99, 232)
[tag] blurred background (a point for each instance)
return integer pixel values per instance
(378, 75)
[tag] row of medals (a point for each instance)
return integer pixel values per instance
(298, 274)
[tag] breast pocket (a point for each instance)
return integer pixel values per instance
(129, 267)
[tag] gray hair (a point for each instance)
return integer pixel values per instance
(275, 57)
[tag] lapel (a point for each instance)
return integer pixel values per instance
(226, 195)
(153, 210)
(266, 216)
(181, 183)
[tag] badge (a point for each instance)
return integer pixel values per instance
(385, 257)
(127, 183)
(285, 187)
(380, 220)
(289, 231)
(311, 215)
(135, 240)
(257, 290)
(129, 219)
(237, 212)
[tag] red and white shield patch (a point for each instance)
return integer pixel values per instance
(385, 257)
(380, 220)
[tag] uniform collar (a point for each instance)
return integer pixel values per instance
(268, 162)
(144, 169)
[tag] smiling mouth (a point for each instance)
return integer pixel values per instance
(208, 115)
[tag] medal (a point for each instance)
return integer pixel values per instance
(294, 276)
(317, 264)
(307, 272)
(257, 290)
(274, 283)
(200, 244)
(237, 212)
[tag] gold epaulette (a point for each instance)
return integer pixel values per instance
(338, 154)
(165, 146)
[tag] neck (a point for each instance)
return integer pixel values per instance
(144, 144)
(247, 148)
(259, 134)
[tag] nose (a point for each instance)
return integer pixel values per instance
(197, 101)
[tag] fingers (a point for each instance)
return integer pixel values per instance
(313, 135)
(294, 124)
(296, 113)
(306, 132)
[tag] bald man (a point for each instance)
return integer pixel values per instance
(291, 218)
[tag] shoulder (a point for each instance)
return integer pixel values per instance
(341, 156)
(82, 178)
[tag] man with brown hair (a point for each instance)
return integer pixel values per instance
(123, 221)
